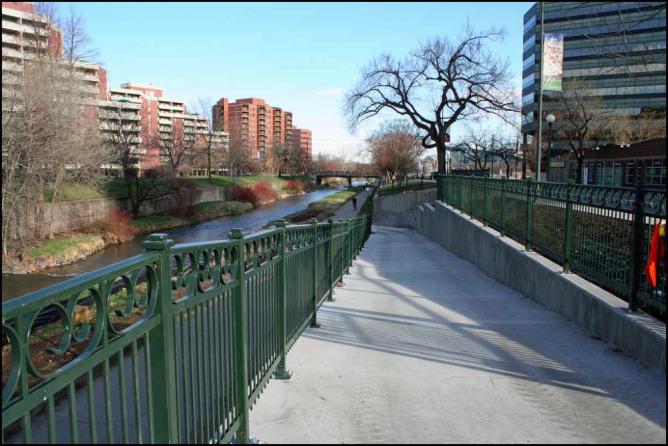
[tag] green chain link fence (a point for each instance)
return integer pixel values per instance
(600, 233)
(171, 346)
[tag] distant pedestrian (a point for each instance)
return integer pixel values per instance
(355, 203)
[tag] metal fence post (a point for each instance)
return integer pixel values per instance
(314, 321)
(281, 372)
(241, 348)
(349, 262)
(568, 236)
(529, 213)
(162, 347)
(331, 259)
(484, 201)
(637, 246)
(471, 197)
(503, 205)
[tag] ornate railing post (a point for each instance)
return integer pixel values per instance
(637, 246)
(162, 348)
(314, 321)
(529, 214)
(281, 372)
(568, 236)
(241, 333)
(331, 259)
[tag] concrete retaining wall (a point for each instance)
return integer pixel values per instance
(599, 312)
(71, 215)
(400, 209)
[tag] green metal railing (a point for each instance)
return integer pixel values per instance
(171, 346)
(600, 233)
(407, 183)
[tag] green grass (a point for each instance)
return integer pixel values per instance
(109, 188)
(326, 207)
(61, 245)
(411, 182)
(367, 208)
(213, 209)
(116, 187)
(223, 181)
(150, 223)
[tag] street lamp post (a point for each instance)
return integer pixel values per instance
(550, 120)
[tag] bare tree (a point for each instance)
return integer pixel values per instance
(583, 122)
(477, 147)
(506, 148)
(283, 158)
(208, 142)
(238, 155)
(176, 146)
(632, 129)
(395, 149)
(121, 136)
(77, 41)
(49, 136)
(437, 85)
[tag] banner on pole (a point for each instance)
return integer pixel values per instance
(553, 64)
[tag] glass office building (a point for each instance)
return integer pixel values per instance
(614, 50)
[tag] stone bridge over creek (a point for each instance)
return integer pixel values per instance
(347, 174)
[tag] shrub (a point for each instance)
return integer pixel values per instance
(294, 186)
(265, 192)
(117, 225)
(244, 193)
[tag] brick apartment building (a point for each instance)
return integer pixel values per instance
(140, 110)
(26, 34)
(256, 126)
(158, 120)
(303, 138)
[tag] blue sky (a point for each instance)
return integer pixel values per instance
(298, 56)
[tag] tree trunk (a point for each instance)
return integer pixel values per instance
(578, 172)
(440, 154)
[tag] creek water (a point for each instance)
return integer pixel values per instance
(14, 285)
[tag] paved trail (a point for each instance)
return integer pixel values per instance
(347, 210)
(420, 346)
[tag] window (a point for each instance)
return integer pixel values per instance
(528, 62)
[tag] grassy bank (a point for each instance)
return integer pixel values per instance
(119, 227)
(116, 187)
(223, 181)
(325, 208)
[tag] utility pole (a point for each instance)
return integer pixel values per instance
(539, 131)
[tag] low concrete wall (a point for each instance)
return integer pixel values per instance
(400, 209)
(599, 312)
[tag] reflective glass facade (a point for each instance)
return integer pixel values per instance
(616, 50)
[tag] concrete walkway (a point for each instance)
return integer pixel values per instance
(420, 346)
(347, 211)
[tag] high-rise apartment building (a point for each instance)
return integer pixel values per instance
(27, 35)
(614, 52)
(303, 139)
(160, 120)
(253, 124)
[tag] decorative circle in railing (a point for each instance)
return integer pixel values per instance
(11, 359)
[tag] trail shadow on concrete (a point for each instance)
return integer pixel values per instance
(469, 320)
